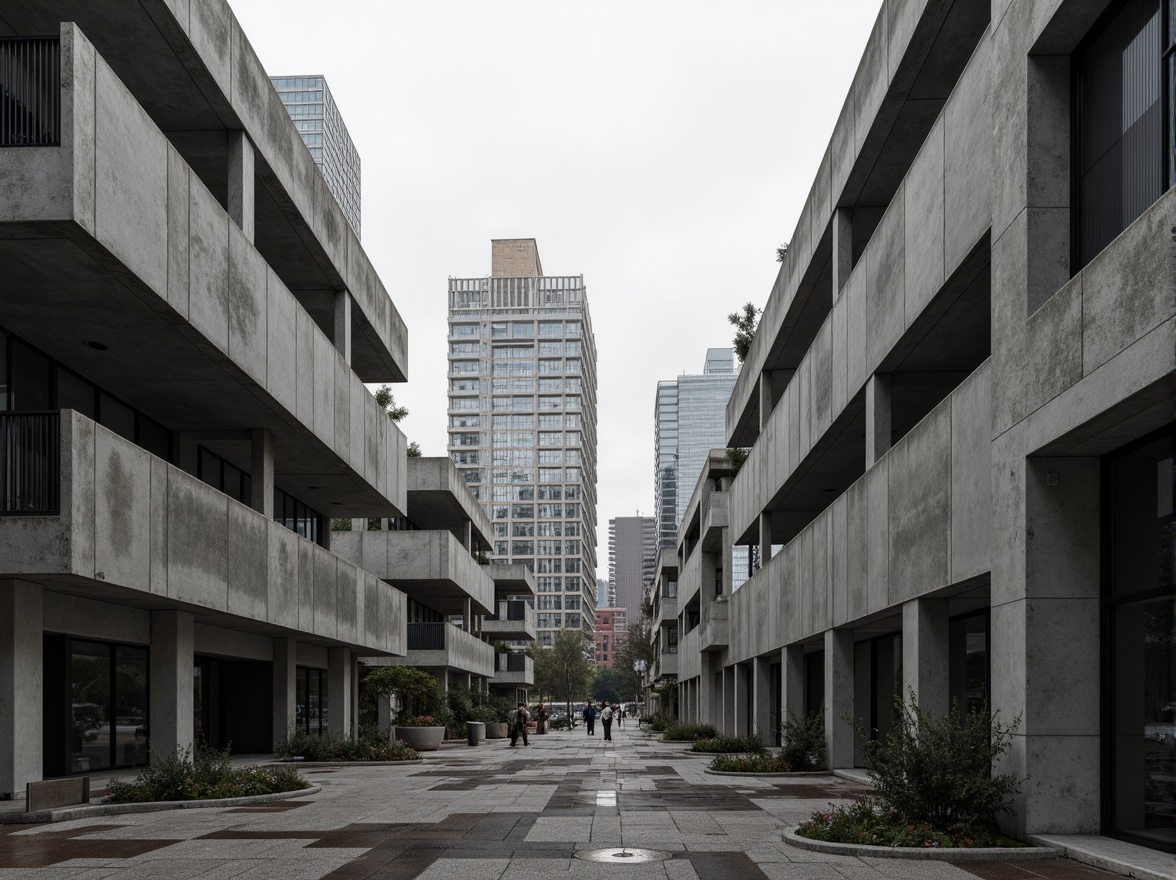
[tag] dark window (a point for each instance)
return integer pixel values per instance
(116, 416)
(311, 700)
(74, 392)
(1122, 103)
(968, 676)
(31, 380)
(1139, 623)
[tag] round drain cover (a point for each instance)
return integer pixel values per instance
(619, 855)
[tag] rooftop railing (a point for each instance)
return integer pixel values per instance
(30, 91)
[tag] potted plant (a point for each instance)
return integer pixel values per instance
(419, 706)
(497, 715)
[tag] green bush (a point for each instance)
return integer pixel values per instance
(803, 741)
(938, 771)
(561, 724)
(659, 723)
(688, 732)
(203, 774)
(764, 762)
(866, 823)
(730, 744)
(370, 745)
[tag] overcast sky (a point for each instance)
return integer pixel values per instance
(661, 148)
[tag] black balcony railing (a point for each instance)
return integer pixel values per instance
(30, 463)
(426, 636)
(30, 91)
(512, 663)
(516, 610)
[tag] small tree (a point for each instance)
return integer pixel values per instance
(564, 671)
(413, 691)
(414, 450)
(606, 685)
(803, 741)
(745, 324)
(385, 399)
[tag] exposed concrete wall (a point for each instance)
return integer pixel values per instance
(128, 188)
(916, 246)
(21, 629)
(134, 522)
(918, 521)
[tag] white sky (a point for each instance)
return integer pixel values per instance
(661, 148)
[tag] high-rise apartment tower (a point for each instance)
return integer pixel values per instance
(689, 421)
(632, 555)
(522, 423)
(317, 117)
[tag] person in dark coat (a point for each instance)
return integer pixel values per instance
(606, 717)
(519, 727)
(590, 719)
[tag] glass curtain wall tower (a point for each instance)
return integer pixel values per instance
(522, 423)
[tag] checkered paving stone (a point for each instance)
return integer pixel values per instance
(489, 812)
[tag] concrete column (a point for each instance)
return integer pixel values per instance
(842, 248)
(21, 680)
(340, 671)
(359, 524)
(354, 728)
(727, 717)
(285, 687)
(706, 698)
(925, 653)
(792, 682)
(241, 170)
(171, 657)
(468, 536)
(838, 697)
(765, 537)
(261, 457)
(342, 338)
(467, 619)
(877, 417)
(384, 715)
(761, 699)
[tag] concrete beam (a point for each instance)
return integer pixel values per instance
(242, 200)
(171, 720)
(878, 424)
(21, 677)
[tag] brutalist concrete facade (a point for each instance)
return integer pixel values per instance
(187, 322)
(934, 405)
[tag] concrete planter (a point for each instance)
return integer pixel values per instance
(970, 854)
(423, 739)
(767, 775)
(497, 730)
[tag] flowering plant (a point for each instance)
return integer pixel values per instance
(419, 721)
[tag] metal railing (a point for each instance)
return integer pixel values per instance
(426, 636)
(30, 91)
(515, 610)
(30, 463)
(511, 663)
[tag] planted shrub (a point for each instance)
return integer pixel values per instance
(688, 732)
(659, 723)
(934, 784)
(204, 773)
(370, 745)
(764, 762)
(803, 741)
(730, 744)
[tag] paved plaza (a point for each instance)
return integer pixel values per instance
(486, 813)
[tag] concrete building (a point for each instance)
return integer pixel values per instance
(188, 324)
(611, 626)
(689, 421)
(632, 553)
(959, 407)
(318, 120)
(664, 632)
(522, 423)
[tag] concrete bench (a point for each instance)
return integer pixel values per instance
(53, 793)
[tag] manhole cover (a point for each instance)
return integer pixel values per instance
(619, 855)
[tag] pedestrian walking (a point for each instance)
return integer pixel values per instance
(606, 718)
(541, 719)
(519, 728)
(590, 719)
(620, 716)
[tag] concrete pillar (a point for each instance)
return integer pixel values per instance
(842, 248)
(359, 524)
(384, 715)
(340, 671)
(925, 654)
(761, 698)
(1046, 640)
(878, 426)
(467, 620)
(241, 175)
(21, 680)
(727, 717)
(285, 687)
(838, 697)
(765, 537)
(172, 661)
(354, 728)
(792, 682)
(261, 458)
(342, 338)
(468, 536)
(706, 698)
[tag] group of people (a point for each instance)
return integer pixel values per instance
(607, 715)
(522, 717)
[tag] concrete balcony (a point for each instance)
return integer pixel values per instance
(665, 610)
(714, 522)
(131, 529)
(514, 579)
(431, 567)
(715, 627)
(443, 646)
(513, 620)
(196, 328)
(438, 498)
(666, 666)
(513, 670)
